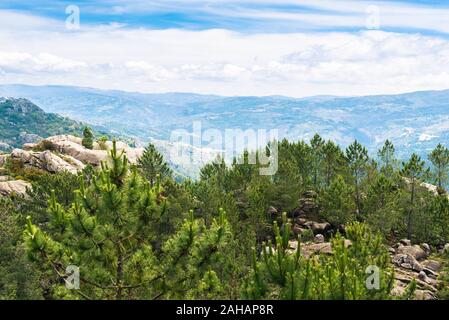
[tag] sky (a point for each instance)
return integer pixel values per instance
(261, 47)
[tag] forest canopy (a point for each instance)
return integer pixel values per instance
(310, 231)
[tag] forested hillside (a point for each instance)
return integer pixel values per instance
(311, 231)
(22, 122)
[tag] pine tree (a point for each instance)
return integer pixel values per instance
(439, 209)
(332, 158)
(382, 204)
(387, 158)
(336, 202)
(18, 280)
(61, 184)
(317, 143)
(414, 172)
(440, 160)
(152, 165)
(109, 232)
(357, 157)
(88, 138)
(215, 169)
(280, 273)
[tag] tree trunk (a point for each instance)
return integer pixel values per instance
(119, 275)
(410, 213)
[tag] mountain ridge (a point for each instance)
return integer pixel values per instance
(418, 118)
(22, 121)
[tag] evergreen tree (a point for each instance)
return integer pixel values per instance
(440, 160)
(439, 215)
(382, 205)
(387, 158)
(316, 144)
(18, 280)
(108, 233)
(336, 202)
(62, 185)
(152, 165)
(414, 172)
(215, 169)
(282, 274)
(332, 158)
(88, 138)
(357, 157)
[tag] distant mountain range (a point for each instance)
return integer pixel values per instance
(413, 121)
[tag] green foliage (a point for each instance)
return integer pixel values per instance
(357, 158)
(332, 161)
(109, 231)
(61, 185)
(440, 161)
(18, 279)
(387, 158)
(383, 204)
(16, 169)
(337, 202)
(152, 165)
(282, 274)
(19, 118)
(432, 221)
(138, 233)
(88, 138)
(316, 144)
(414, 171)
(102, 142)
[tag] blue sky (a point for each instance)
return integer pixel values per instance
(244, 16)
(257, 47)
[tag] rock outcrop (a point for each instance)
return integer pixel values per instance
(66, 153)
(302, 224)
(2, 159)
(415, 251)
(63, 153)
(307, 205)
(410, 264)
(47, 161)
(310, 249)
(16, 187)
(72, 146)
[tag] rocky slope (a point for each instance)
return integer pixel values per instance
(57, 154)
(410, 261)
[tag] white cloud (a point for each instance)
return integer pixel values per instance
(19, 62)
(223, 62)
(426, 137)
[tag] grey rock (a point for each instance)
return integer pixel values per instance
(320, 227)
(426, 248)
(407, 261)
(416, 251)
(47, 161)
(446, 248)
(319, 238)
(422, 276)
(424, 295)
(432, 265)
(297, 230)
(16, 187)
